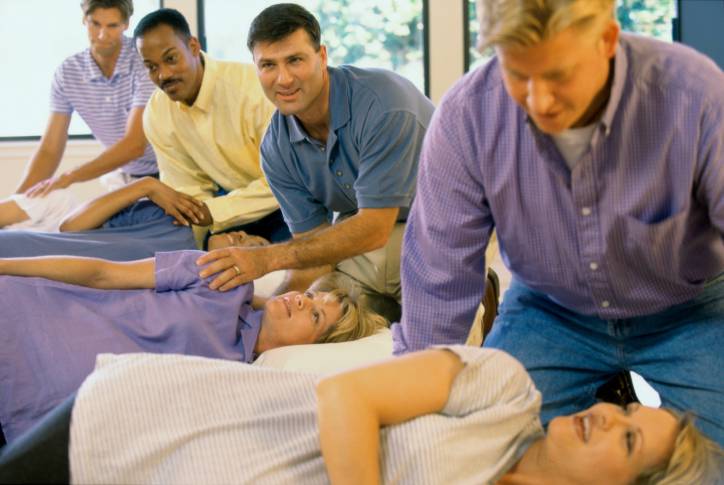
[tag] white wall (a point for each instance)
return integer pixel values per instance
(14, 156)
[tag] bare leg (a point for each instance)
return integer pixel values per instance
(11, 213)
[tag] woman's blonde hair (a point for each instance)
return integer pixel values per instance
(357, 319)
(528, 22)
(696, 459)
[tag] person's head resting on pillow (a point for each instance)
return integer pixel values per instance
(331, 310)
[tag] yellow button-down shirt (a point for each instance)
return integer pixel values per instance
(215, 144)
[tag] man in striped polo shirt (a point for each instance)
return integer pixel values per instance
(107, 85)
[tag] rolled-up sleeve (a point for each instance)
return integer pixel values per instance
(177, 270)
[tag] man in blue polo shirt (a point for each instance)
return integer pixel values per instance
(341, 157)
(108, 86)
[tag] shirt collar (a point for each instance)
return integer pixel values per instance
(123, 64)
(296, 131)
(205, 98)
(620, 74)
(339, 98)
(249, 326)
(338, 107)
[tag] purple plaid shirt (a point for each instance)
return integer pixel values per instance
(634, 228)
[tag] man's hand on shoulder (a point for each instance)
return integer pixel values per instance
(233, 266)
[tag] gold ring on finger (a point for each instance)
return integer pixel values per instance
(238, 271)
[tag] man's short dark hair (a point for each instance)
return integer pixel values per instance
(164, 16)
(278, 21)
(123, 6)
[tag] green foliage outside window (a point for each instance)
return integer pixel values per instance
(647, 17)
(356, 32)
(381, 33)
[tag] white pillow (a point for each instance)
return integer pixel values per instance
(329, 358)
(267, 284)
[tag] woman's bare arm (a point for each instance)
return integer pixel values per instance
(90, 272)
(354, 405)
(96, 212)
(183, 208)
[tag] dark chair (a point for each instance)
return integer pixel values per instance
(618, 390)
(491, 300)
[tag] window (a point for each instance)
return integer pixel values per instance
(38, 35)
(371, 33)
(648, 17)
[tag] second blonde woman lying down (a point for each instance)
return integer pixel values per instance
(51, 331)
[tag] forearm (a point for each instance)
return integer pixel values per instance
(94, 213)
(78, 271)
(367, 230)
(112, 158)
(42, 165)
(332, 244)
(46, 159)
(90, 272)
(351, 456)
(353, 405)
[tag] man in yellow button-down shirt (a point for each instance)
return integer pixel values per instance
(205, 124)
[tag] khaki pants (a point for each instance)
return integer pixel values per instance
(378, 273)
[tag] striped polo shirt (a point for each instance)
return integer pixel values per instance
(104, 103)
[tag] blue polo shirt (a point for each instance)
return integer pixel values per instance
(378, 121)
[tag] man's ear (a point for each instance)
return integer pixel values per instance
(323, 54)
(194, 45)
(609, 38)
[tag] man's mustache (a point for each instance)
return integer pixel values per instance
(169, 81)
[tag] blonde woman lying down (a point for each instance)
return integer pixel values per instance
(457, 416)
(58, 313)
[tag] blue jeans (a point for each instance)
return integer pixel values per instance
(679, 351)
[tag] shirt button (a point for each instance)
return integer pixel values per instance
(586, 211)
(108, 99)
(593, 266)
(347, 186)
(339, 173)
(322, 148)
(605, 303)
